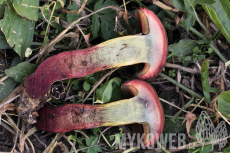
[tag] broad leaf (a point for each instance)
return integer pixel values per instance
(105, 22)
(179, 4)
(21, 71)
(190, 5)
(86, 86)
(219, 12)
(71, 16)
(3, 42)
(2, 1)
(27, 8)
(95, 28)
(18, 31)
(2, 10)
(205, 83)
(182, 48)
(110, 90)
(59, 4)
(6, 89)
(224, 104)
(205, 2)
(189, 22)
(172, 126)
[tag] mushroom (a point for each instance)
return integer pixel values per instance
(149, 48)
(144, 108)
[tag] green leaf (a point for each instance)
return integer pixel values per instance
(2, 10)
(190, 5)
(215, 35)
(172, 126)
(81, 147)
(58, 5)
(3, 42)
(203, 149)
(27, 8)
(182, 48)
(106, 22)
(18, 31)
(89, 141)
(6, 89)
(95, 28)
(205, 2)
(219, 12)
(21, 71)
(86, 86)
(111, 137)
(2, 1)
(75, 85)
(106, 91)
(189, 22)
(224, 104)
(70, 16)
(97, 149)
(226, 150)
(205, 83)
(179, 4)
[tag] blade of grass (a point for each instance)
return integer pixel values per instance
(181, 86)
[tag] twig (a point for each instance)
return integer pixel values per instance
(71, 143)
(198, 104)
(195, 105)
(53, 143)
(223, 117)
(15, 142)
(87, 42)
(70, 25)
(39, 140)
(8, 128)
(194, 70)
(102, 133)
(166, 7)
(172, 104)
(82, 7)
(31, 144)
(83, 133)
(98, 83)
(3, 79)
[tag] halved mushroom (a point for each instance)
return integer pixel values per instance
(145, 108)
(149, 48)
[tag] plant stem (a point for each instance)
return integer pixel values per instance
(198, 20)
(172, 15)
(186, 105)
(181, 86)
(49, 21)
(218, 53)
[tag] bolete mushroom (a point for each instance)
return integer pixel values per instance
(149, 48)
(144, 108)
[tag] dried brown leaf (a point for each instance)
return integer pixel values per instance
(177, 19)
(189, 117)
